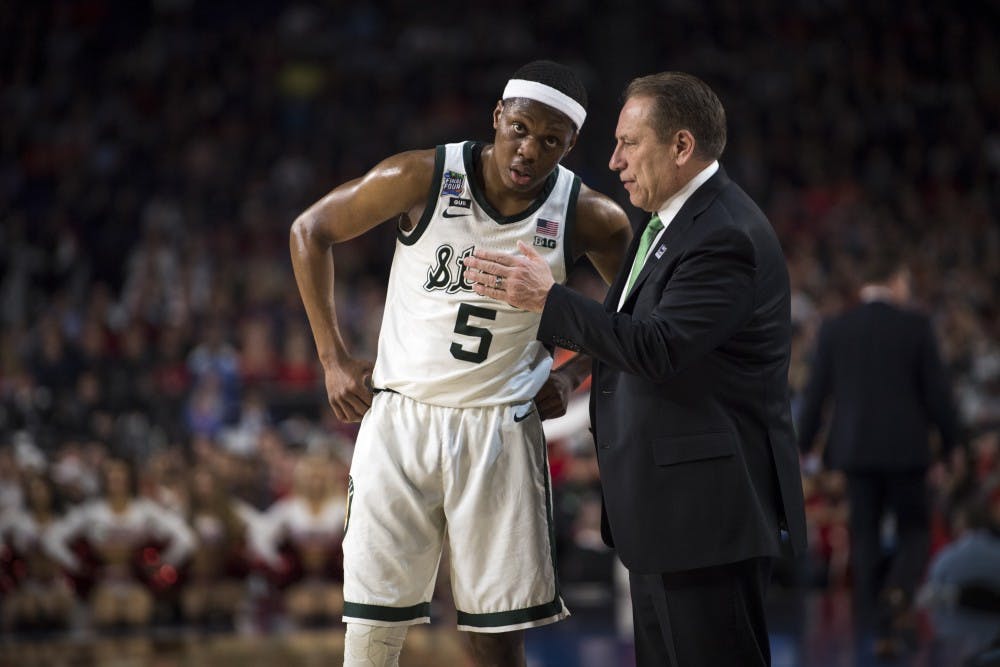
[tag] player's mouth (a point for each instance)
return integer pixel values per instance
(520, 176)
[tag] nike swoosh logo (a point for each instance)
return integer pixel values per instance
(446, 214)
(521, 418)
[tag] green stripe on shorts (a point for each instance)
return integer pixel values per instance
(515, 617)
(374, 612)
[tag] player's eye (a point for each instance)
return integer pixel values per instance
(518, 127)
(552, 142)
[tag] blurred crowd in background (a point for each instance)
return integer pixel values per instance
(166, 452)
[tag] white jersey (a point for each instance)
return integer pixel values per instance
(443, 344)
(20, 530)
(294, 520)
(101, 526)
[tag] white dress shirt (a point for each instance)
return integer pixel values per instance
(672, 206)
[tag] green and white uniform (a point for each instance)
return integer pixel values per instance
(453, 447)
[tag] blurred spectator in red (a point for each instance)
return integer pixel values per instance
(121, 532)
(297, 370)
(215, 586)
(42, 599)
(258, 358)
(309, 527)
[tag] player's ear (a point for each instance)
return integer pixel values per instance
(496, 114)
(571, 143)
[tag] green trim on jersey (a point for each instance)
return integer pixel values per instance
(430, 206)
(470, 170)
(574, 193)
(375, 612)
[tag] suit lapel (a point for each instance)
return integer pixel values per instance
(670, 239)
(615, 291)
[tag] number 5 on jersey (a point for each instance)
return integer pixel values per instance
(462, 326)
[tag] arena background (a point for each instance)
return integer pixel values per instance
(153, 155)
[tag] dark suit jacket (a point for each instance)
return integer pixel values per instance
(881, 365)
(689, 399)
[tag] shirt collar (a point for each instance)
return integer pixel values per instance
(674, 204)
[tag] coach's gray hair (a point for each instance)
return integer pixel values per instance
(684, 102)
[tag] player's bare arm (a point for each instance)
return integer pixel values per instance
(602, 233)
(395, 189)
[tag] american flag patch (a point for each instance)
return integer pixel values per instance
(547, 227)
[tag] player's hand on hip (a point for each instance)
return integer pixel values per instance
(553, 398)
(349, 389)
(522, 280)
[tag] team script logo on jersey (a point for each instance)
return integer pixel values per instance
(446, 274)
(452, 183)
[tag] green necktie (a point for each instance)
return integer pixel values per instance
(653, 228)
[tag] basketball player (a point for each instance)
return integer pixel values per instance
(451, 444)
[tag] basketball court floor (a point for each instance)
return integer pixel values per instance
(810, 632)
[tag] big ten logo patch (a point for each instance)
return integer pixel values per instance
(544, 242)
(448, 271)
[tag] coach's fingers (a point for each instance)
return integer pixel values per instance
(476, 276)
(486, 269)
(501, 258)
(492, 292)
(527, 250)
(471, 275)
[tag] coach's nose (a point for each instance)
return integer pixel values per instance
(617, 161)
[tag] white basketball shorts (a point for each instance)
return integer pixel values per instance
(477, 477)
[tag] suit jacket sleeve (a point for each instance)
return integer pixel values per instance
(817, 390)
(707, 299)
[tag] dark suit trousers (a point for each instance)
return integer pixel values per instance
(711, 617)
(871, 495)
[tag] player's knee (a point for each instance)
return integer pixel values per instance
(373, 645)
(504, 648)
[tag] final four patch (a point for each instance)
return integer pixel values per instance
(452, 183)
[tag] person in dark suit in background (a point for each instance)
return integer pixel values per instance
(690, 398)
(879, 363)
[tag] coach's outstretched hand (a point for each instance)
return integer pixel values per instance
(522, 280)
(349, 389)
